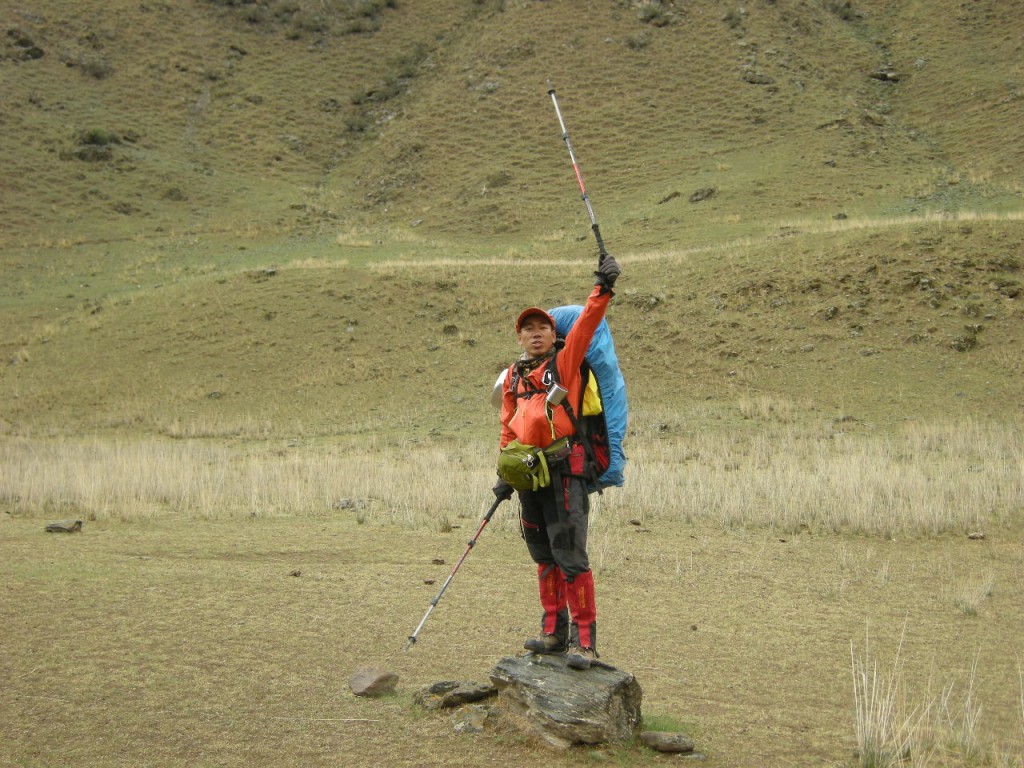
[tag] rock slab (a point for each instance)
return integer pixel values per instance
(664, 741)
(452, 693)
(565, 706)
(65, 526)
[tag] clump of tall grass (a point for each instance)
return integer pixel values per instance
(969, 593)
(1020, 678)
(886, 733)
(892, 731)
(960, 721)
(767, 408)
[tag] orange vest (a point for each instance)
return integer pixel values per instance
(529, 419)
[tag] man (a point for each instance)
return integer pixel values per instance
(554, 518)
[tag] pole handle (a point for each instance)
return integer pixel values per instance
(601, 250)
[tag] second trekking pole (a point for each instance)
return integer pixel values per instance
(579, 176)
(437, 599)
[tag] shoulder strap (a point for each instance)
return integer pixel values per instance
(553, 367)
(580, 435)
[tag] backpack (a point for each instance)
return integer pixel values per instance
(602, 416)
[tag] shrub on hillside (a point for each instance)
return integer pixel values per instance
(98, 137)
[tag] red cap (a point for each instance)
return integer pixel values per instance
(531, 312)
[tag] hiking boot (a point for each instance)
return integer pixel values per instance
(545, 644)
(579, 657)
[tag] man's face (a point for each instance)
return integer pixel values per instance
(536, 336)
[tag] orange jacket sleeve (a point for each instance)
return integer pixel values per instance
(578, 340)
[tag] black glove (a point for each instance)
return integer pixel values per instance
(608, 271)
(503, 490)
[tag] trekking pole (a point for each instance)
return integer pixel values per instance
(437, 599)
(579, 176)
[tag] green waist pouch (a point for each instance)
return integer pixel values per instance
(525, 467)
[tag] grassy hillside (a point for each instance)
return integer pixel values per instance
(153, 120)
(926, 328)
(201, 199)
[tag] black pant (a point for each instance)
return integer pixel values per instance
(554, 521)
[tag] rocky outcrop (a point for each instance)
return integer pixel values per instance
(566, 706)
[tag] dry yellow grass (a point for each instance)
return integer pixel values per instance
(930, 480)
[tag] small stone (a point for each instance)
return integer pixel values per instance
(666, 741)
(372, 682)
(755, 77)
(886, 76)
(471, 719)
